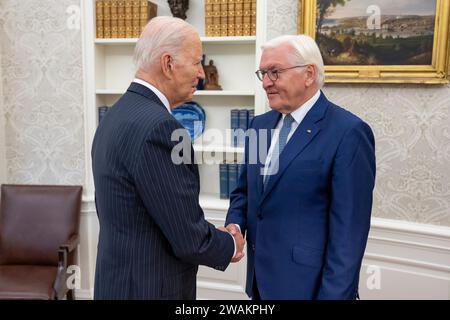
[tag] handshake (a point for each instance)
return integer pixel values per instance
(238, 238)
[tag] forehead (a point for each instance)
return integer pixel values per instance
(192, 46)
(274, 57)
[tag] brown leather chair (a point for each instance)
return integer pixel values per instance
(39, 234)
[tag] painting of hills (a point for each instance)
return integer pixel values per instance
(371, 32)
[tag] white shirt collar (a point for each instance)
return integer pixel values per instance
(158, 93)
(300, 113)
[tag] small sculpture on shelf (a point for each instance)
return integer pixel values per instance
(179, 8)
(211, 77)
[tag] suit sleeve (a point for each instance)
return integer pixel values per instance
(237, 213)
(353, 181)
(170, 193)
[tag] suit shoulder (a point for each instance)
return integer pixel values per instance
(345, 119)
(264, 117)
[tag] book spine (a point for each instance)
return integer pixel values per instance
(247, 18)
(240, 170)
(216, 17)
(114, 19)
(136, 21)
(144, 14)
(231, 23)
(121, 19)
(107, 18)
(224, 18)
(253, 18)
(99, 18)
(128, 18)
(223, 172)
(232, 177)
(238, 17)
(243, 121)
(234, 125)
(102, 112)
(209, 24)
(251, 115)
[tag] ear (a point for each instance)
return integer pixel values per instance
(166, 62)
(311, 73)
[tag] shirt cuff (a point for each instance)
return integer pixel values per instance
(234, 241)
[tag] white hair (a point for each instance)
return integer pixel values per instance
(161, 35)
(305, 51)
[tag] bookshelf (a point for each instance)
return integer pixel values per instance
(109, 69)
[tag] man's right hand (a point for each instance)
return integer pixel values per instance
(236, 232)
(238, 238)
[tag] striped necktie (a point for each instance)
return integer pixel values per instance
(282, 140)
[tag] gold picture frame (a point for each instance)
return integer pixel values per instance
(436, 72)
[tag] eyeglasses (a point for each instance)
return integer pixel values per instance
(274, 74)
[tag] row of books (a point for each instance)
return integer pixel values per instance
(122, 18)
(229, 175)
(230, 18)
(101, 112)
(240, 119)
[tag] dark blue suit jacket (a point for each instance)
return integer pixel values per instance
(307, 230)
(153, 234)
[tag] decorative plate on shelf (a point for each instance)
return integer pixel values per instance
(192, 117)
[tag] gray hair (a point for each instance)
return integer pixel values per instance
(161, 35)
(305, 51)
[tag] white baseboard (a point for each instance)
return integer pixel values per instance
(411, 260)
(406, 260)
(84, 294)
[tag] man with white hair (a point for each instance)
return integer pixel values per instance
(153, 234)
(305, 208)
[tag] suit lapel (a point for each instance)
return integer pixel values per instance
(303, 135)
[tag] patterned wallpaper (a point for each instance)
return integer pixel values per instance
(43, 91)
(41, 53)
(411, 124)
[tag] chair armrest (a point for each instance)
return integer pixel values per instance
(70, 245)
(61, 276)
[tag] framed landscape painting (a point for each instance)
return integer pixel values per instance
(380, 41)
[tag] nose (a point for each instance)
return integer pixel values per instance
(201, 72)
(267, 82)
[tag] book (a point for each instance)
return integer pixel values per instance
(99, 18)
(114, 19)
(128, 18)
(224, 18)
(234, 125)
(238, 17)
(232, 177)
(243, 122)
(121, 19)
(251, 115)
(107, 19)
(102, 112)
(253, 18)
(231, 28)
(223, 173)
(209, 24)
(247, 17)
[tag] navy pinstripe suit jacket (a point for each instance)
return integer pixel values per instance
(153, 234)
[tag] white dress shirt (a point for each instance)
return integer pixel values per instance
(298, 115)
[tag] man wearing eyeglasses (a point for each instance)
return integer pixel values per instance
(305, 208)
